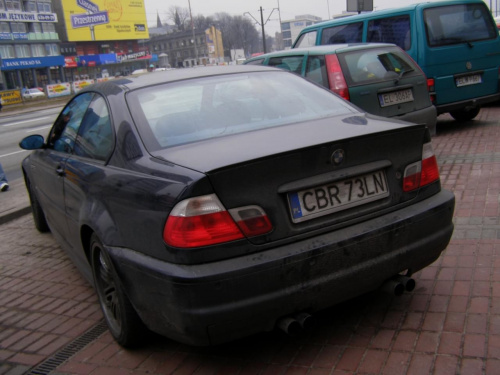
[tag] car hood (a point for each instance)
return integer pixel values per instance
(215, 153)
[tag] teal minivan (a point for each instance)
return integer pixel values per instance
(456, 43)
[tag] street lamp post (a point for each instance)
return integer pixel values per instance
(192, 28)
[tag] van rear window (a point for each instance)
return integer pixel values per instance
(454, 24)
(350, 33)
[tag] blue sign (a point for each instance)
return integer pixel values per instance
(32, 62)
(86, 20)
(88, 5)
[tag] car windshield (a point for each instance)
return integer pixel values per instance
(374, 65)
(198, 109)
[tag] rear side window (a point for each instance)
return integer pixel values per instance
(306, 40)
(255, 62)
(350, 33)
(290, 63)
(394, 30)
(316, 70)
(455, 24)
(376, 65)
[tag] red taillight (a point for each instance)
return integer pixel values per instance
(431, 89)
(423, 172)
(335, 77)
(203, 221)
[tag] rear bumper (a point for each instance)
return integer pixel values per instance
(225, 300)
(476, 102)
(426, 116)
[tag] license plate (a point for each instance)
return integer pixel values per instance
(337, 196)
(395, 97)
(468, 80)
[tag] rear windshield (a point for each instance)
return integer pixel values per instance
(376, 65)
(455, 24)
(193, 110)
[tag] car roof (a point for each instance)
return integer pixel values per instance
(154, 78)
(323, 50)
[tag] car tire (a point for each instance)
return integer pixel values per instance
(123, 322)
(38, 215)
(462, 115)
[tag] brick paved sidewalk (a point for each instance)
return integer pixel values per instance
(450, 324)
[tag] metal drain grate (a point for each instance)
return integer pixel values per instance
(71, 349)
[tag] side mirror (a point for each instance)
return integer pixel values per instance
(32, 142)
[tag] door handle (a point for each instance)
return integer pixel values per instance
(60, 171)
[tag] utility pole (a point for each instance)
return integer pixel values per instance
(262, 23)
(263, 32)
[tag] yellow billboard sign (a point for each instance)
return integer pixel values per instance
(88, 20)
(11, 97)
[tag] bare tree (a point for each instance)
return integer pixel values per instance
(202, 22)
(179, 17)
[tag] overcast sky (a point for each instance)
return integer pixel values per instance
(289, 8)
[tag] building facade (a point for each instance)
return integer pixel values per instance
(291, 28)
(101, 38)
(29, 44)
(187, 48)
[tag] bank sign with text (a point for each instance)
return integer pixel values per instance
(103, 20)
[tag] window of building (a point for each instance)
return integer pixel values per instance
(287, 35)
(2, 6)
(37, 50)
(4, 27)
(52, 49)
(35, 27)
(18, 27)
(23, 50)
(44, 7)
(48, 28)
(13, 4)
(285, 26)
(7, 51)
(30, 6)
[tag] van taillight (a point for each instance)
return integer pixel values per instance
(203, 221)
(431, 89)
(335, 77)
(423, 172)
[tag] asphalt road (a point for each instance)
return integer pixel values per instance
(14, 127)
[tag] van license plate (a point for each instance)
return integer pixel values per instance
(337, 196)
(468, 80)
(395, 97)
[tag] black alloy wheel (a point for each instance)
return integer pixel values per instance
(123, 322)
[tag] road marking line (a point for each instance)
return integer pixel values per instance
(23, 122)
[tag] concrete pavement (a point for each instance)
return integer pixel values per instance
(50, 322)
